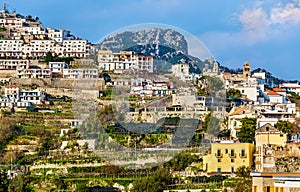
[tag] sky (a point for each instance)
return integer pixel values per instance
(265, 33)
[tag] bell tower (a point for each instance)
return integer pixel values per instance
(246, 71)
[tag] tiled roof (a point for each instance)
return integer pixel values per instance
(226, 74)
(238, 111)
(11, 87)
(267, 128)
(290, 86)
(272, 93)
(276, 89)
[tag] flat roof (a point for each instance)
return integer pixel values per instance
(277, 174)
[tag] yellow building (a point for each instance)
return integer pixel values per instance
(226, 157)
(267, 139)
(268, 134)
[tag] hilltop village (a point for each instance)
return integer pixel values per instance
(246, 124)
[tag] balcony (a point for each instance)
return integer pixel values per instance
(218, 155)
(243, 155)
(232, 155)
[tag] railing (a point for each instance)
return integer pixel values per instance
(218, 155)
(243, 155)
(232, 155)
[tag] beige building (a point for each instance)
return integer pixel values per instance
(275, 182)
(268, 134)
(269, 143)
(236, 115)
(182, 71)
(125, 60)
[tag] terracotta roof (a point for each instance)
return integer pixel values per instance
(10, 87)
(226, 74)
(272, 93)
(290, 86)
(276, 89)
(238, 111)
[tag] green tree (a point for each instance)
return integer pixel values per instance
(82, 187)
(153, 183)
(60, 183)
(247, 132)
(244, 185)
(181, 161)
(284, 126)
(21, 183)
(49, 57)
(234, 93)
(243, 171)
(4, 182)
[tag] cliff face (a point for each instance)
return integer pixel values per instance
(167, 46)
(153, 36)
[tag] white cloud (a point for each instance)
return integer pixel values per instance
(254, 19)
(289, 14)
(263, 22)
(255, 25)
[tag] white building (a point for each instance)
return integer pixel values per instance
(125, 60)
(58, 67)
(58, 35)
(291, 87)
(146, 87)
(12, 22)
(13, 64)
(19, 97)
(80, 73)
(11, 48)
(182, 71)
(250, 92)
(33, 72)
(75, 48)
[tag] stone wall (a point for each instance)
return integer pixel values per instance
(60, 83)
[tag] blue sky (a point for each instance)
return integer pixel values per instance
(265, 33)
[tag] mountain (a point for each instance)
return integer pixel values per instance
(165, 57)
(156, 36)
(167, 46)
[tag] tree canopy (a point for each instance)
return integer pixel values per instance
(284, 126)
(247, 131)
(234, 93)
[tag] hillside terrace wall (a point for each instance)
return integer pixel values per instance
(60, 83)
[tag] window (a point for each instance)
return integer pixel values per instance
(232, 169)
(232, 160)
(232, 152)
(219, 160)
(243, 152)
(219, 170)
(226, 151)
(219, 152)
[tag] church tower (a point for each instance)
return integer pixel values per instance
(246, 71)
(216, 67)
